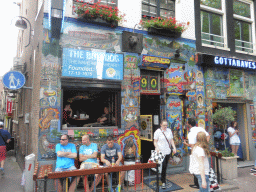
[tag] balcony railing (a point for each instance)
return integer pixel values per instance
(43, 175)
(245, 46)
(212, 39)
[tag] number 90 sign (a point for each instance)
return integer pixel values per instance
(149, 83)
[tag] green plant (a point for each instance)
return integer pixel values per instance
(222, 116)
(97, 10)
(226, 153)
(164, 23)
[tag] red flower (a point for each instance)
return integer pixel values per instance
(144, 16)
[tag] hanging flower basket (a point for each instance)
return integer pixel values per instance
(164, 32)
(99, 21)
(164, 26)
(97, 13)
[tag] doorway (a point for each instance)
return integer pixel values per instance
(241, 118)
(149, 105)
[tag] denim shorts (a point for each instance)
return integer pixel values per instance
(59, 169)
(234, 143)
(207, 189)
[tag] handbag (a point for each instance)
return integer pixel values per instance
(213, 180)
(156, 157)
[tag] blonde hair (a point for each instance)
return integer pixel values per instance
(201, 141)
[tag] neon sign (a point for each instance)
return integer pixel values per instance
(234, 62)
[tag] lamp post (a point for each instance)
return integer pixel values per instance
(21, 24)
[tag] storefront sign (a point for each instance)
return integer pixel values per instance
(155, 62)
(92, 64)
(9, 105)
(211, 60)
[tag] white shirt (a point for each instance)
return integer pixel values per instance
(194, 161)
(162, 143)
(193, 133)
(234, 139)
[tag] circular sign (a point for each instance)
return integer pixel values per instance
(14, 80)
(143, 125)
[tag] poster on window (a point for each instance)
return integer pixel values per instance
(146, 128)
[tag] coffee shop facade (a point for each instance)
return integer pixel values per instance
(88, 68)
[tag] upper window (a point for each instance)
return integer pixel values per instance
(158, 8)
(243, 25)
(212, 32)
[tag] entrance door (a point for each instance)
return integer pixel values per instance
(240, 108)
(149, 105)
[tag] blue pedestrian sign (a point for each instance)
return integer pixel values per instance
(14, 80)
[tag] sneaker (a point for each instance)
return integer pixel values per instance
(2, 171)
(163, 186)
(253, 170)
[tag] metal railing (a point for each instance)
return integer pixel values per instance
(43, 175)
(241, 46)
(207, 37)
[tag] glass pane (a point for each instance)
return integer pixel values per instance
(153, 2)
(237, 30)
(168, 4)
(241, 8)
(216, 21)
(205, 22)
(165, 13)
(153, 11)
(145, 9)
(246, 32)
(212, 3)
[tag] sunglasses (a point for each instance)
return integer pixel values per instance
(63, 139)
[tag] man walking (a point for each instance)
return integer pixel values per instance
(5, 137)
(66, 153)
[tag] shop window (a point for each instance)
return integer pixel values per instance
(156, 8)
(213, 29)
(236, 85)
(243, 22)
(91, 107)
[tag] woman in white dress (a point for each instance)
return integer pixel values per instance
(234, 139)
(199, 164)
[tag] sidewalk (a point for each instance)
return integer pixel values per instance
(186, 179)
(10, 181)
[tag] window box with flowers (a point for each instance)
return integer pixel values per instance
(100, 14)
(164, 26)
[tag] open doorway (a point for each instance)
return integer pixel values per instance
(241, 125)
(149, 105)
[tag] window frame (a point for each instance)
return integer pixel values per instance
(252, 26)
(158, 8)
(221, 13)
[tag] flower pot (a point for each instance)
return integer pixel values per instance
(229, 167)
(99, 21)
(164, 32)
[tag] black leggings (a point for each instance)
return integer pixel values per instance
(164, 167)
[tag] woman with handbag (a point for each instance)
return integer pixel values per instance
(163, 137)
(199, 164)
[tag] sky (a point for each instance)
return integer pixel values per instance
(8, 35)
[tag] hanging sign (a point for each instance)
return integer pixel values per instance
(14, 80)
(149, 61)
(92, 64)
(9, 105)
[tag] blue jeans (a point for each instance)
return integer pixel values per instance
(200, 183)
